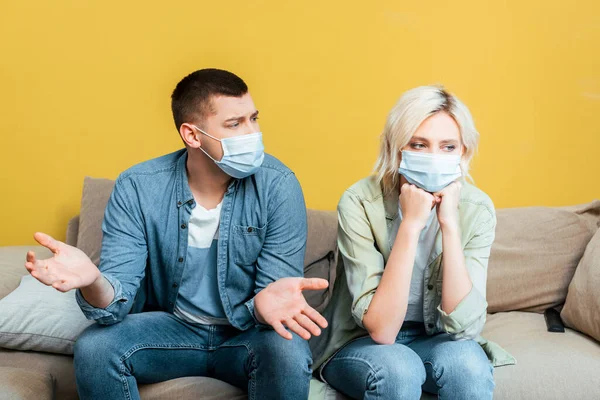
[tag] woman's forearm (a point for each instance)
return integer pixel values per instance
(387, 310)
(456, 283)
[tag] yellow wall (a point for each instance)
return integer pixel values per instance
(85, 86)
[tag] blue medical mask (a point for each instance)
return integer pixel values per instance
(430, 172)
(242, 155)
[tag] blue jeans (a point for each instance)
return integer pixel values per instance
(436, 364)
(156, 346)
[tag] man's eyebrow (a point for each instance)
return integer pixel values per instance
(241, 117)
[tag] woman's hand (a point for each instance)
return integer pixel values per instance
(447, 205)
(416, 205)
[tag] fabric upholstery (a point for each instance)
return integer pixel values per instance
(38, 317)
(535, 255)
(12, 265)
(582, 308)
(23, 384)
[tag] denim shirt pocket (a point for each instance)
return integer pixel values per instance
(248, 241)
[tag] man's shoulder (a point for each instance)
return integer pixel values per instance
(149, 168)
(272, 166)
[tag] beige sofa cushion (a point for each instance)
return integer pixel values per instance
(582, 308)
(96, 193)
(549, 365)
(23, 384)
(60, 367)
(535, 254)
(12, 265)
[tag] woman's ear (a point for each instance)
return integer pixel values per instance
(189, 135)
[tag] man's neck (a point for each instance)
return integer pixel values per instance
(207, 181)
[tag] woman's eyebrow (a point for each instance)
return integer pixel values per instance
(449, 141)
(419, 138)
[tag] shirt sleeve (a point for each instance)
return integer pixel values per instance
(363, 262)
(282, 253)
(467, 319)
(123, 256)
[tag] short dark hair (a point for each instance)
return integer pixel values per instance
(191, 98)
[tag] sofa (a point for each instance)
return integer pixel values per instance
(542, 258)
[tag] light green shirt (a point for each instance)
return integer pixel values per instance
(366, 217)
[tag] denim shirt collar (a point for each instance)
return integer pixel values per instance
(184, 193)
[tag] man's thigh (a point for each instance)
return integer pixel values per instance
(152, 347)
(240, 358)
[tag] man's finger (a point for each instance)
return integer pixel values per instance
(280, 329)
(315, 316)
(62, 286)
(307, 324)
(47, 241)
(295, 327)
(313, 284)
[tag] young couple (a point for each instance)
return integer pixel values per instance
(202, 263)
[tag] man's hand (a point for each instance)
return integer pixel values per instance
(282, 303)
(68, 269)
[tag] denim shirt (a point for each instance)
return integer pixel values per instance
(262, 238)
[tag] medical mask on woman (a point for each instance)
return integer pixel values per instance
(242, 155)
(430, 172)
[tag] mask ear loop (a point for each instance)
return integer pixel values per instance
(210, 136)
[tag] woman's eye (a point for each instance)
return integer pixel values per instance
(450, 148)
(254, 119)
(417, 146)
(234, 125)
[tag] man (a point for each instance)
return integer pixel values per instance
(211, 238)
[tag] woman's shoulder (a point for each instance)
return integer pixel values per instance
(366, 189)
(471, 197)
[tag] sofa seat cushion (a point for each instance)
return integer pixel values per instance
(549, 365)
(23, 384)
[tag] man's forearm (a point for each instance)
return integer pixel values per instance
(100, 293)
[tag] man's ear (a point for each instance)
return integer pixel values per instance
(190, 135)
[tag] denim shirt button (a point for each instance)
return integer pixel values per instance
(180, 259)
(183, 226)
(430, 326)
(175, 285)
(249, 229)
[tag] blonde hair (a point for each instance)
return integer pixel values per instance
(414, 107)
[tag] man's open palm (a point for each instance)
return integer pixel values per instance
(281, 304)
(68, 269)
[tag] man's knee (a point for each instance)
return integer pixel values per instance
(289, 354)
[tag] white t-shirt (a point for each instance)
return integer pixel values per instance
(414, 311)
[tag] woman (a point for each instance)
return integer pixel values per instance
(414, 240)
